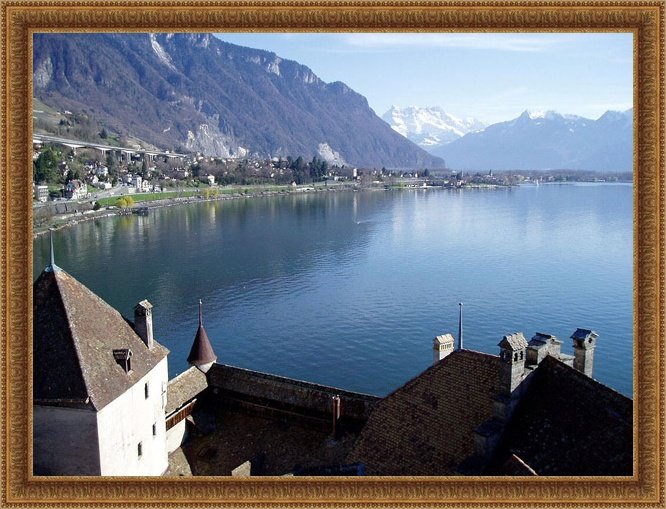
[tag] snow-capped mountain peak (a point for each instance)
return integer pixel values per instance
(430, 126)
(540, 140)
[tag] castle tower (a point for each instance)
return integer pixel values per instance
(512, 356)
(98, 404)
(441, 347)
(584, 342)
(201, 355)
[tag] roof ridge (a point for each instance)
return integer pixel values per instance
(77, 351)
(582, 376)
(464, 352)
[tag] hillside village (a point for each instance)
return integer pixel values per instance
(90, 178)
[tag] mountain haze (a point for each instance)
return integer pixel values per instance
(195, 92)
(547, 140)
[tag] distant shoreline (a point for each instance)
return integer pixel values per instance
(69, 220)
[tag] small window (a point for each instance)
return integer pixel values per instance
(154, 430)
(123, 357)
(145, 390)
(139, 449)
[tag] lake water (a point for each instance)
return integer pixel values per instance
(350, 288)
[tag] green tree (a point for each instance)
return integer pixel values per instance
(45, 167)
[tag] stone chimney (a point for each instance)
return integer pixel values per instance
(541, 345)
(512, 357)
(584, 342)
(143, 322)
(441, 347)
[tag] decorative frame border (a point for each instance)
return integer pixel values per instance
(645, 19)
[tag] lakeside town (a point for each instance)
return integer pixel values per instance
(71, 184)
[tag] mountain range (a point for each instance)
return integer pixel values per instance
(194, 92)
(532, 141)
(429, 127)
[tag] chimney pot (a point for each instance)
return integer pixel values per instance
(143, 322)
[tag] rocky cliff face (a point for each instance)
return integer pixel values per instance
(195, 92)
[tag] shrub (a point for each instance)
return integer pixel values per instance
(124, 202)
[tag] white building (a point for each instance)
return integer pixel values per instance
(76, 190)
(99, 384)
(41, 193)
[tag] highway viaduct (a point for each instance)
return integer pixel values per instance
(122, 153)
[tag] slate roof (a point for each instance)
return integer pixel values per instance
(201, 351)
(570, 424)
(184, 388)
(74, 335)
(426, 426)
(583, 334)
(540, 339)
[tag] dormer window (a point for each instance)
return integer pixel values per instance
(123, 357)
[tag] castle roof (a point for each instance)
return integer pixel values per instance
(201, 351)
(75, 334)
(566, 424)
(592, 437)
(426, 427)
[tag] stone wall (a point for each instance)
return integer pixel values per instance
(64, 441)
(273, 394)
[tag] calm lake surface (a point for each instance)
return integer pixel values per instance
(349, 289)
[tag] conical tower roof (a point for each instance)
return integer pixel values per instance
(202, 351)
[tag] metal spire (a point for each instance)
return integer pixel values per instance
(52, 267)
(460, 328)
(200, 314)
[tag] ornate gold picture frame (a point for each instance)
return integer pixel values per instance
(645, 19)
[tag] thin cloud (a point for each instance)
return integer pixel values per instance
(526, 43)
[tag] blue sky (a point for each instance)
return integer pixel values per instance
(491, 76)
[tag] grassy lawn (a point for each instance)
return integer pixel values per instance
(212, 192)
(141, 197)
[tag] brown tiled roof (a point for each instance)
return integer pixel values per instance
(74, 335)
(570, 424)
(426, 426)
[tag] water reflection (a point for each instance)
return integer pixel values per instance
(350, 288)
